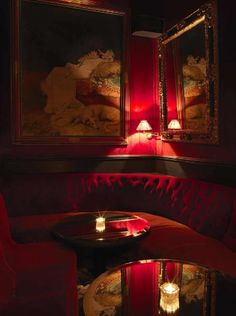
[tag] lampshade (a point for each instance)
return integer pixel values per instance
(174, 124)
(143, 126)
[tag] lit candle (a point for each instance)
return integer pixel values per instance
(100, 224)
(169, 299)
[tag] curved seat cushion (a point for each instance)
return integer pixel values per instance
(41, 269)
(5, 235)
(36, 278)
(35, 228)
(229, 238)
(8, 279)
(169, 239)
(31, 261)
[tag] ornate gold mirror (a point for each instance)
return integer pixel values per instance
(188, 70)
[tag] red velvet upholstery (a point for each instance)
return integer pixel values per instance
(230, 236)
(37, 278)
(169, 239)
(205, 207)
(202, 214)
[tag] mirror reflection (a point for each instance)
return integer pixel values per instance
(152, 287)
(189, 80)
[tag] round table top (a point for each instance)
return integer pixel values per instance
(136, 288)
(119, 228)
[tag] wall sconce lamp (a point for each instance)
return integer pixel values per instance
(174, 124)
(145, 128)
(174, 128)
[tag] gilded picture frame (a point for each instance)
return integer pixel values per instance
(189, 79)
(69, 73)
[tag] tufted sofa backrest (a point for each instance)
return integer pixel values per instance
(206, 207)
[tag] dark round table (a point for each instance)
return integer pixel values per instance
(121, 229)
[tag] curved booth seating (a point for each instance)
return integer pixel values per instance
(190, 219)
(35, 278)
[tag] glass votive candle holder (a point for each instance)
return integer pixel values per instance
(100, 224)
(169, 297)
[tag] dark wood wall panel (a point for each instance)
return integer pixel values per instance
(81, 164)
(185, 168)
(197, 169)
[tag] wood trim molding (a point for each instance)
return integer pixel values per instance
(80, 164)
(217, 172)
(181, 167)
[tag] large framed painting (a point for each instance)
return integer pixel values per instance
(69, 73)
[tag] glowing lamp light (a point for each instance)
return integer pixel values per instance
(145, 127)
(174, 124)
(169, 297)
(100, 224)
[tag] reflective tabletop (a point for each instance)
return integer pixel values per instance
(160, 287)
(101, 229)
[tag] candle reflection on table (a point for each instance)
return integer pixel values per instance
(169, 300)
(158, 287)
